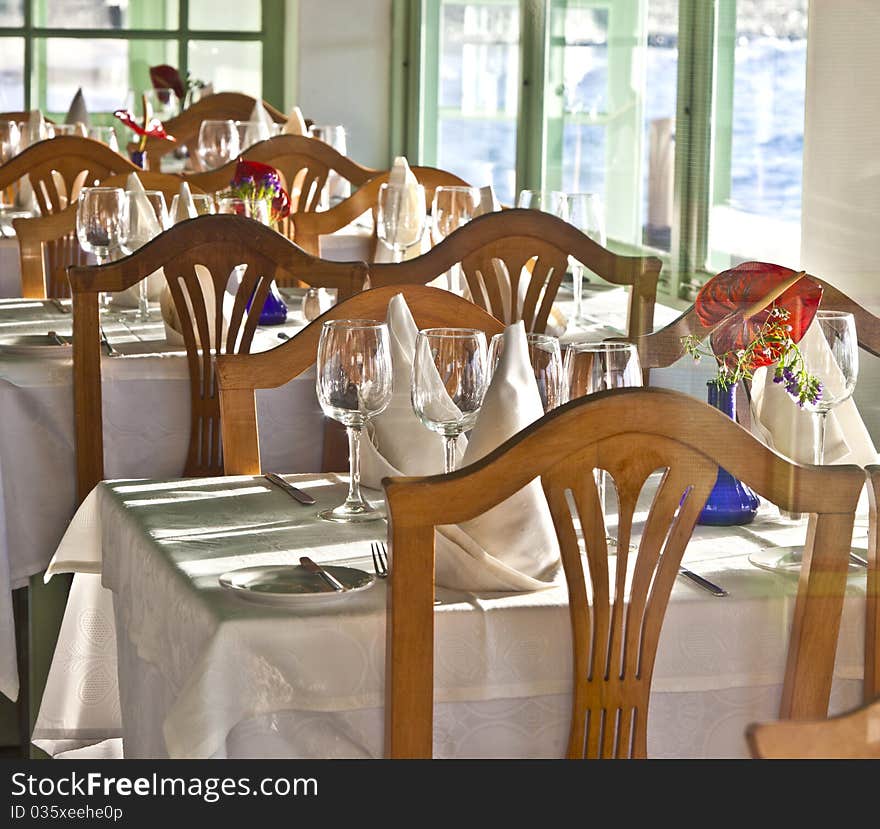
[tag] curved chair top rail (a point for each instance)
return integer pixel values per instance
(69, 151)
(210, 231)
(664, 347)
(517, 223)
(662, 412)
(366, 197)
(430, 307)
(292, 152)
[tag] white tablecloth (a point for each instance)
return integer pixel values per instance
(10, 268)
(203, 673)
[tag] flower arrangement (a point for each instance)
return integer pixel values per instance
(166, 78)
(757, 314)
(254, 182)
(150, 128)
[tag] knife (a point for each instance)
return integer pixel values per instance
(714, 589)
(290, 489)
(310, 565)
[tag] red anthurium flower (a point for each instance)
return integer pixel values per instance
(728, 295)
(167, 77)
(154, 128)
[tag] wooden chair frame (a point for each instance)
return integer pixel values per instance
(240, 375)
(53, 238)
(213, 241)
(235, 106)
(624, 427)
(517, 236)
(310, 226)
(59, 167)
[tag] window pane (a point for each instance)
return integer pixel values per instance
(105, 69)
(11, 13)
(760, 83)
(610, 109)
(478, 86)
(225, 15)
(11, 74)
(106, 14)
(232, 66)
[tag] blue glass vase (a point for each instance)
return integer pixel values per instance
(274, 309)
(139, 157)
(731, 501)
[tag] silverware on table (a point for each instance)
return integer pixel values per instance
(290, 489)
(380, 559)
(855, 558)
(57, 337)
(283, 336)
(64, 309)
(312, 567)
(111, 351)
(712, 588)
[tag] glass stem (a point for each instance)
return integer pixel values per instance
(354, 465)
(397, 254)
(449, 457)
(143, 301)
(821, 420)
(577, 279)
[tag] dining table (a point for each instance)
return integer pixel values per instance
(157, 658)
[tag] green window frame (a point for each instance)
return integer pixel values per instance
(704, 111)
(145, 13)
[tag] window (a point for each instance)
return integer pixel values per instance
(685, 115)
(50, 48)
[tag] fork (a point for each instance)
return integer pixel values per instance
(380, 559)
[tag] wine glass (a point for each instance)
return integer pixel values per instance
(204, 203)
(400, 219)
(548, 201)
(10, 140)
(252, 132)
(337, 188)
(835, 361)
(257, 209)
(545, 355)
(106, 135)
(587, 213)
(101, 217)
(595, 367)
(147, 218)
(77, 129)
(449, 381)
(218, 143)
(452, 208)
(353, 384)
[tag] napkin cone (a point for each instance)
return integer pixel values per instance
(513, 546)
(259, 128)
(141, 213)
(186, 207)
(488, 201)
(295, 124)
(403, 178)
(781, 424)
(396, 442)
(78, 113)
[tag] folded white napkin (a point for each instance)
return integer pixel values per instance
(397, 443)
(512, 547)
(186, 207)
(78, 113)
(401, 176)
(488, 201)
(791, 431)
(259, 126)
(171, 319)
(295, 124)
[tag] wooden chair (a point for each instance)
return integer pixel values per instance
(240, 375)
(630, 433)
(218, 244)
(308, 227)
(522, 240)
(235, 106)
(59, 168)
(48, 244)
(663, 348)
(851, 736)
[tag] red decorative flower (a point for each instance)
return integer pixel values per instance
(733, 293)
(153, 129)
(167, 77)
(253, 179)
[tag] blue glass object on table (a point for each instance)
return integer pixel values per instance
(274, 308)
(731, 502)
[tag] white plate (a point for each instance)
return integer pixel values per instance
(288, 584)
(35, 345)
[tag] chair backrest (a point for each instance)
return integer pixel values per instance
(239, 376)
(213, 246)
(308, 227)
(514, 245)
(851, 736)
(663, 348)
(235, 106)
(48, 244)
(631, 433)
(60, 167)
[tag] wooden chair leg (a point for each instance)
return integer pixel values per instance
(46, 603)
